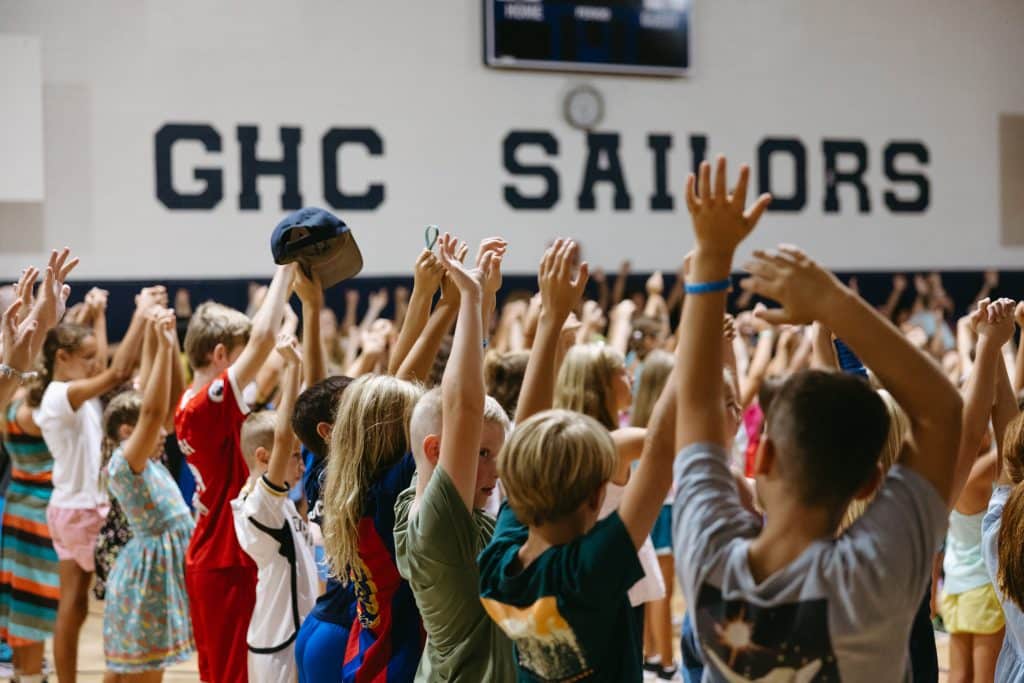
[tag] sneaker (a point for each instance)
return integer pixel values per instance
(651, 669)
(670, 673)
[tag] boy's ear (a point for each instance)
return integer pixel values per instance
(871, 485)
(262, 455)
(324, 430)
(219, 355)
(432, 448)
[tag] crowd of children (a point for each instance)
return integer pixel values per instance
(481, 492)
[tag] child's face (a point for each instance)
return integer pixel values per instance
(82, 362)
(492, 438)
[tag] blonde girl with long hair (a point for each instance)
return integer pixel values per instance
(369, 463)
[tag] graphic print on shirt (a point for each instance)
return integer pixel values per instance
(546, 645)
(366, 595)
(744, 642)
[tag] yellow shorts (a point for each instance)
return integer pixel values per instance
(975, 611)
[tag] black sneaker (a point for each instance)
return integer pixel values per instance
(670, 673)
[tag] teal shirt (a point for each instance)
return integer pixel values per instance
(567, 613)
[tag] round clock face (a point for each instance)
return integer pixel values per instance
(584, 107)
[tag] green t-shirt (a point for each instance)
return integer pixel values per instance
(567, 613)
(436, 553)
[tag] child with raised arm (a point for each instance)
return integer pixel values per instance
(226, 351)
(554, 578)
(146, 624)
(787, 599)
(440, 525)
(271, 531)
(70, 417)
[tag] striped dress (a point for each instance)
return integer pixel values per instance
(29, 583)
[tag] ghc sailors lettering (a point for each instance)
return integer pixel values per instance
(535, 175)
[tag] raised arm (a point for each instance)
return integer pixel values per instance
(560, 292)
(18, 341)
(427, 275)
(1005, 409)
(462, 387)
(750, 384)
(416, 366)
(142, 444)
(96, 305)
(284, 437)
(311, 293)
(807, 292)
(123, 363)
(265, 326)
(899, 285)
(720, 223)
(823, 353)
(992, 322)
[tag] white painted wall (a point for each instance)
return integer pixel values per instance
(115, 71)
(21, 119)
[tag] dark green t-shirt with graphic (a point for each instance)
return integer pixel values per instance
(567, 613)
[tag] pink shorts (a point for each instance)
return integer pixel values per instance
(74, 533)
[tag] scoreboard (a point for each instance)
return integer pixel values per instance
(649, 37)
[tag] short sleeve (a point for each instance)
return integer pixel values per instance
(120, 476)
(258, 514)
(55, 408)
(604, 560)
(990, 525)
(706, 513)
(905, 525)
(442, 528)
(208, 415)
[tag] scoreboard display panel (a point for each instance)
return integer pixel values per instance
(648, 37)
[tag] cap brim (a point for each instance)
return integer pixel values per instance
(340, 262)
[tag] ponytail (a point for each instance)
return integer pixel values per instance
(1011, 530)
(66, 337)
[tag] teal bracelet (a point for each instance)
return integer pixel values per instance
(708, 287)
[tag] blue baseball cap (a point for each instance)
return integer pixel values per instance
(320, 242)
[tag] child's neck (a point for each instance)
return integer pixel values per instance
(788, 531)
(549, 535)
(204, 376)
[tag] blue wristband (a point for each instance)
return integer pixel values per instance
(708, 287)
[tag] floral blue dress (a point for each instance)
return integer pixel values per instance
(146, 623)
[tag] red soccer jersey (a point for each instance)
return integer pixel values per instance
(208, 424)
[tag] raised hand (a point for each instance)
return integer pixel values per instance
(96, 301)
(991, 279)
(150, 297)
(719, 220)
(560, 290)
(496, 246)
(793, 279)
(427, 272)
(469, 281)
(899, 283)
(309, 288)
(53, 294)
(288, 348)
(655, 284)
(994, 319)
(23, 291)
(18, 338)
(379, 299)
